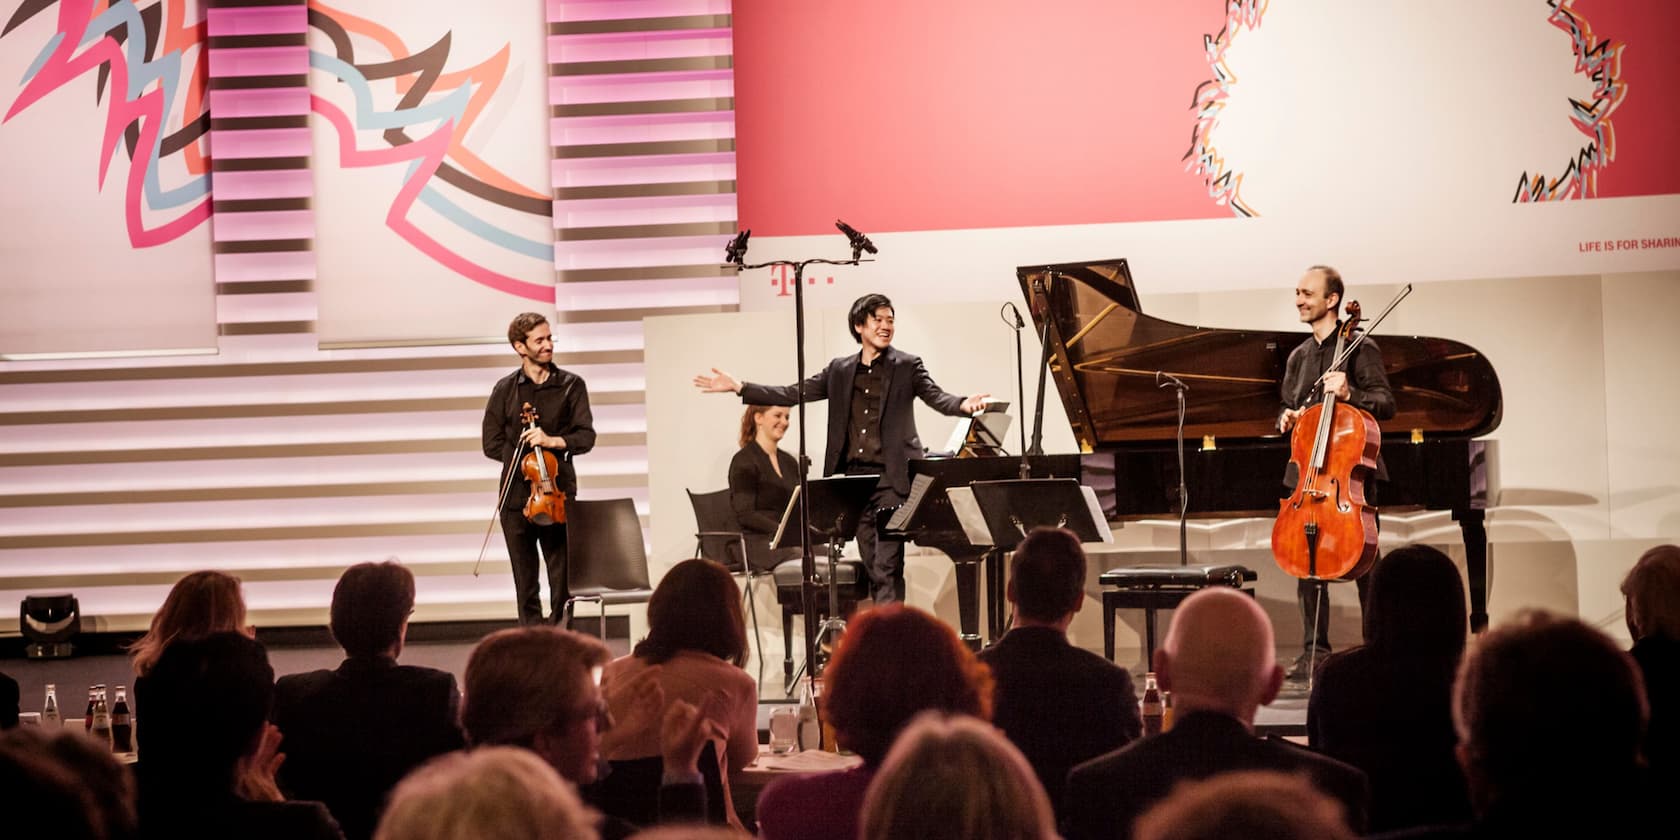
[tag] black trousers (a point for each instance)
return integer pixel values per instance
(523, 540)
(1314, 597)
(882, 559)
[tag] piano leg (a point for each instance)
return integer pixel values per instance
(1474, 525)
(968, 599)
(997, 606)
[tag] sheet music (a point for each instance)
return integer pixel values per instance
(918, 490)
(959, 434)
(969, 515)
(788, 515)
(1095, 510)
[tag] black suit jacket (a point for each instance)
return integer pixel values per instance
(907, 381)
(351, 734)
(10, 702)
(1060, 705)
(1106, 794)
(1391, 716)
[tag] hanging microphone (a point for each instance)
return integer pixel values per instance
(736, 249)
(859, 242)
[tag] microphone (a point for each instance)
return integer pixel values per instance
(860, 243)
(1013, 310)
(1178, 383)
(736, 251)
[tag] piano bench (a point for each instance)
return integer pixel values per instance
(788, 576)
(1151, 588)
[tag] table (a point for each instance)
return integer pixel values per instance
(745, 786)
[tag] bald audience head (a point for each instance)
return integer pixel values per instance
(1218, 655)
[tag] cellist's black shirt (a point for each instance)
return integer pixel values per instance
(1367, 383)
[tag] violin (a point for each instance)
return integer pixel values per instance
(1325, 530)
(547, 504)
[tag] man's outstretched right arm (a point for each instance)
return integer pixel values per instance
(719, 382)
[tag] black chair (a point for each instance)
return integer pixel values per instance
(719, 538)
(853, 586)
(631, 791)
(606, 561)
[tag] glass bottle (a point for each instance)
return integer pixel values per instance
(100, 725)
(49, 710)
(87, 717)
(810, 729)
(1150, 706)
(122, 723)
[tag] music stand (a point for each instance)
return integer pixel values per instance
(836, 503)
(1004, 512)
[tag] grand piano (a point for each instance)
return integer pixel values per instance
(1104, 358)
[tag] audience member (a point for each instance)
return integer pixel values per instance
(1218, 661)
(1386, 706)
(538, 688)
(71, 786)
(9, 702)
(352, 733)
(1250, 804)
(1093, 707)
(486, 794)
(58, 806)
(955, 779)
(198, 605)
(207, 715)
(691, 832)
(696, 644)
(1652, 589)
(1550, 715)
(892, 663)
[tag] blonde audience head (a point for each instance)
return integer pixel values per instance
(1252, 804)
(485, 794)
(958, 778)
(198, 605)
(1218, 655)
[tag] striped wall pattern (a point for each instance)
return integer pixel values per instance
(643, 128)
(284, 462)
(262, 226)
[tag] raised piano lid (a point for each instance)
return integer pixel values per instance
(1105, 353)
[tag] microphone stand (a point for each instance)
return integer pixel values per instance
(1017, 325)
(1183, 490)
(1040, 288)
(807, 562)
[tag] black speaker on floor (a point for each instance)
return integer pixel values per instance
(49, 623)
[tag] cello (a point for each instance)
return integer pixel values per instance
(1324, 529)
(547, 504)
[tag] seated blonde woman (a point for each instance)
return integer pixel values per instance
(198, 605)
(486, 794)
(956, 778)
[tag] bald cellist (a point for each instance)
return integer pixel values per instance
(1359, 382)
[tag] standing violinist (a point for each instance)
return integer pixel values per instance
(1360, 383)
(564, 427)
